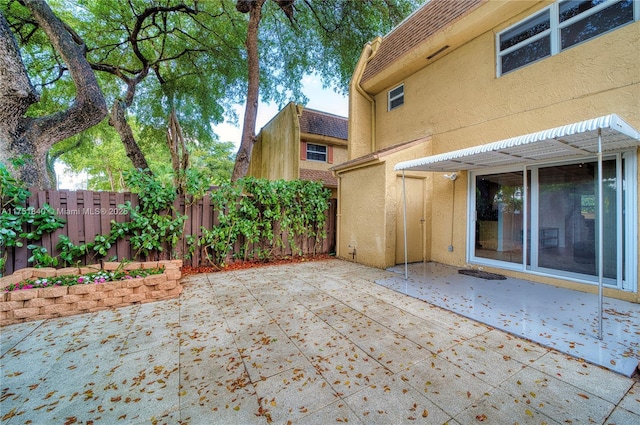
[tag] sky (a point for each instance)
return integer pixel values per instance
(319, 99)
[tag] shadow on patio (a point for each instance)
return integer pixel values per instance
(560, 318)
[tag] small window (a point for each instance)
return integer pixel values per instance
(588, 19)
(526, 42)
(396, 97)
(316, 152)
(560, 26)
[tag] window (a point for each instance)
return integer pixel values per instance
(316, 152)
(544, 219)
(396, 97)
(560, 26)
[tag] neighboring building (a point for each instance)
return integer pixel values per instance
(300, 143)
(468, 87)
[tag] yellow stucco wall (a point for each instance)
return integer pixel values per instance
(460, 102)
(367, 210)
(361, 215)
(276, 155)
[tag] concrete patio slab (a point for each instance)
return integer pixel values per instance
(560, 318)
(308, 343)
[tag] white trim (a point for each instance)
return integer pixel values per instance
(631, 217)
(564, 142)
(396, 97)
(629, 284)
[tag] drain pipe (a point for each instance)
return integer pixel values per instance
(371, 48)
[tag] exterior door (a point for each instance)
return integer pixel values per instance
(415, 220)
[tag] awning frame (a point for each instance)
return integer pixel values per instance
(608, 133)
(586, 138)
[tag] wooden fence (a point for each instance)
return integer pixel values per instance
(89, 213)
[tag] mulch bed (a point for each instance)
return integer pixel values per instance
(241, 265)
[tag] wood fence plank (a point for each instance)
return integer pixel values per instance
(90, 213)
(123, 247)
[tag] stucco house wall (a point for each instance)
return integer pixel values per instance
(276, 153)
(280, 148)
(456, 100)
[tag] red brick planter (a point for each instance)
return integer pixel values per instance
(44, 303)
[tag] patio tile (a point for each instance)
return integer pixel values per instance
(482, 362)
(349, 371)
(337, 412)
(622, 416)
(393, 351)
(517, 348)
(577, 372)
(267, 351)
(631, 401)
(142, 387)
(292, 394)
(557, 399)
(500, 408)
(445, 384)
(391, 400)
(423, 332)
(9, 337)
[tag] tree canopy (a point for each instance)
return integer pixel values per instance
(155, 58)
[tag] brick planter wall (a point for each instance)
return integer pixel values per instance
(44, 303)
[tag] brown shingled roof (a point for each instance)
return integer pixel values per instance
(326, 177)
(324, 124)
(424, 23)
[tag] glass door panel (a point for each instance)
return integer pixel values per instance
(567, 218)
(499, 224)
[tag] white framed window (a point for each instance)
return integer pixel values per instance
(560, 26)
(316, 152)
(396, 97)
(543, 219)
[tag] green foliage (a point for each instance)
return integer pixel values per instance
(249, 209)
(19, 224)
(198, 65)
(40, 257)
(98, 277)
(70, 252)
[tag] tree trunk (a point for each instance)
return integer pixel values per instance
(179, 153)
(243, 158)
(21, 135)
(118, 120)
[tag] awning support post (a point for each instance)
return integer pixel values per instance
(404, 201)
(600, 234)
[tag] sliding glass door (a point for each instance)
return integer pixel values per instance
(545, 219)
(567, 218)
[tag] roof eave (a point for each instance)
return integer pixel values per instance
(475, 22)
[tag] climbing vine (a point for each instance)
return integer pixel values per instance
(16, 217)
(254, 217)
(264, 215)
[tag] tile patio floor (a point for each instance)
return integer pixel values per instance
(308, 343)
(559, 318)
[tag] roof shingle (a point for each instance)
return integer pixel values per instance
(424, 23)
(324, 124)
(326, 177)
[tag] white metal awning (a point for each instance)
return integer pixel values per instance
(565, 142)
